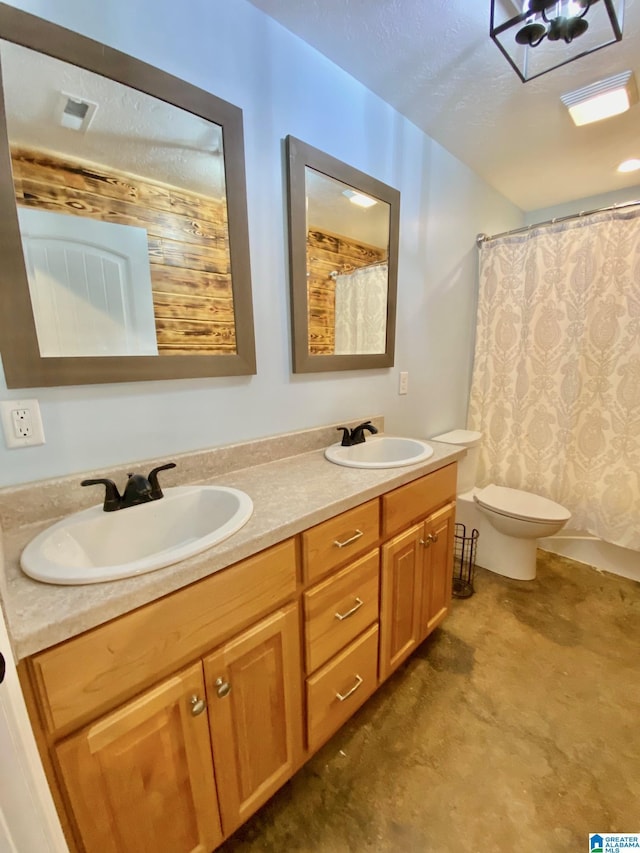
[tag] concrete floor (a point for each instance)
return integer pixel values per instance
(515, 728)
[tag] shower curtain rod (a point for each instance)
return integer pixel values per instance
(485, 238)
(335, 273)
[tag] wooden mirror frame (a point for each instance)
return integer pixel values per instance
(23, 365)
(299, 156)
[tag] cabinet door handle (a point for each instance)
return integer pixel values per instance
(351, 539)
(433, 537)
(343, 696)
(224, 688)
(354, 609)
(197, 706)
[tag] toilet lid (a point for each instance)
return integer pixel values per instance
(519, 504)
(467, 437)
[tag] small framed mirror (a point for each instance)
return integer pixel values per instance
(343, 263)
(123, 219)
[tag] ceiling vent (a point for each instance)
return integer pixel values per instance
(74, 112)
(603, 99)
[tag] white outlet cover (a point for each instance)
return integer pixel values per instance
(37, 431)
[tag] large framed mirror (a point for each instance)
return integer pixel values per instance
(123, 219)
(343, 263)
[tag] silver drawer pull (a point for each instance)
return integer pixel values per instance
(353, 538)
(354, 609)
(346, 695)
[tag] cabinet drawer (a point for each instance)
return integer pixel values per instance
(410, 503)
(101, 668)
(335, 541)
(341, 687)
(340, 608)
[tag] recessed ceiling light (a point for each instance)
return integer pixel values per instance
(629, 166)
(603, 99)
(360, 199)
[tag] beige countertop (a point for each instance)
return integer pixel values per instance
(289, 495)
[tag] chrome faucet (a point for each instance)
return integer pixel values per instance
(356, 435)
(138, 489)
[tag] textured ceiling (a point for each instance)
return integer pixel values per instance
(434, 62)
(131, 131)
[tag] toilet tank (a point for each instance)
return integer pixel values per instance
(468, 466)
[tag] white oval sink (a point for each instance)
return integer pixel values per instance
(93, 546)
(380, 451)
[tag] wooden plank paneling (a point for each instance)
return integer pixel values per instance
(187, 229)
(187, 236)
(192, 334)
(167, 306)
(53, 170)
(191, 282)
(193, 256)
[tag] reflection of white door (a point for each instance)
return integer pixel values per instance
(90, 285)
(28, 822)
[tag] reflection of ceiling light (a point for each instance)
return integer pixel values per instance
(629, 166)
(603, 99)
(74, 112)
(545, 34)
(360, 199)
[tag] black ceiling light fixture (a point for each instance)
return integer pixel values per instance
(537, 36)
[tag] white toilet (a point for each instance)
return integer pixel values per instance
(510, 521)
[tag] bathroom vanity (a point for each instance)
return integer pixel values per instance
(166, 726)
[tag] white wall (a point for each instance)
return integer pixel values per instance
(283, 87)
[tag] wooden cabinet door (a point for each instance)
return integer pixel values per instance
(255, 714)
(400, 598)
(437, 568)
(141, 778)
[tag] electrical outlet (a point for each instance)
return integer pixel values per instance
(403, 385)
(21, 420)
(22, 423)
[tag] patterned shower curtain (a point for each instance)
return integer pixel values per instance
(361, 310)
(556, 377)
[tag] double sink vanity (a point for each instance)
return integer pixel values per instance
(181, 699)
(182, 658)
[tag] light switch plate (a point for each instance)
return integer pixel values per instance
(22, 423)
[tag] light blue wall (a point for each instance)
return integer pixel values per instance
(283, 87)
(593, 202)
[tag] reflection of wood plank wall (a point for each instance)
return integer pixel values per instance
(327, 253)
(187, 235)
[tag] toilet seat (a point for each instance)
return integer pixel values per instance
(515, 503)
